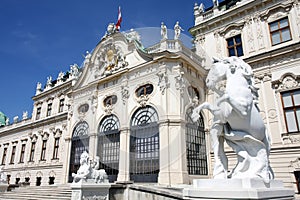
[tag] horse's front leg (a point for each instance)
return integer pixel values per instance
(195, 115)
(221, 161)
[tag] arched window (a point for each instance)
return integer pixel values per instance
(109, 146)
(195, 145)
(144, 145)
(80, 143)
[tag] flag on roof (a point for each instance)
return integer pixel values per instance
(118, 24)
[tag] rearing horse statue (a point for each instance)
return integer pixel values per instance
(237, 121)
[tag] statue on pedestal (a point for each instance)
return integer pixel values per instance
(89, 171)
(237, 121)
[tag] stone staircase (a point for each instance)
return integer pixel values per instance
(60, 192)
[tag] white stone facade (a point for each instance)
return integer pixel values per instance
(114, 85)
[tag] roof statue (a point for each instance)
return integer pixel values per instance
(164, 31)
(177, 30)
(237, 121)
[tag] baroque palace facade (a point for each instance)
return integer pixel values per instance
(130, 106)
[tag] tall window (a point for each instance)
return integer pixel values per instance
(291, 107)
(32, 150)
(109, 146)
(22, 153)
(280, 31)
(43, 153)
(56, 147)
(49, 109)
(195, 145)
(144, 145)
(13, 154)
(38, 113)
(4, 156)
(80, 143)
(61, 105)
(234, 46)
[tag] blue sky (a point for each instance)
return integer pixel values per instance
(40, 38)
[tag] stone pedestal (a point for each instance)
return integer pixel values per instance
(86, 191)
(237, 189)
(3, 187)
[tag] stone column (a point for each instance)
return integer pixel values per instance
(65, 170)
(124, 159)
(173, 169)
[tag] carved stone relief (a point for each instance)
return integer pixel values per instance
(163, 81)
(180, 83)
(287, 82)
(109, 59)
(124, 90)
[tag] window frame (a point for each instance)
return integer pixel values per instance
(32, 151)
(235, 45)
(49, 109)
(13, 154)
(4, 155)
(279, 30)
(38, 113)
(61, 105)
(22, 153)
(56, 148)
(289, 108)
(43, 150)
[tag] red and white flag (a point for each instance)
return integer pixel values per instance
(118, 24)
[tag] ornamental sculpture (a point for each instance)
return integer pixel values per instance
(237, 121)
(89, 171)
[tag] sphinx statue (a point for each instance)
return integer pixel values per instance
(89, 171)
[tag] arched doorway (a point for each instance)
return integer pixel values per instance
(80, 143)
(144, 145)
(109, 146)
(195, 145)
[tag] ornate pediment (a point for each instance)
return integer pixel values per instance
(109, 59)
(287, 82)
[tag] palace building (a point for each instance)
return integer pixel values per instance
(130, 107)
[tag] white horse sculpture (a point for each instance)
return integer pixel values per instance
(237, 121)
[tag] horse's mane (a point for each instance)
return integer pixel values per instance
(247, 72)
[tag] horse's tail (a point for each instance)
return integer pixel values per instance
(267, 141)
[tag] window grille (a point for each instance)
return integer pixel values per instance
(195, 145)
(80, 143)
(109, 146)
(144, 145)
